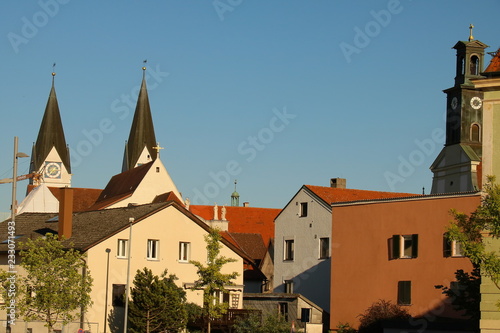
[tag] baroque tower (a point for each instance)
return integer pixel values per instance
(50, 157)
(457, 167)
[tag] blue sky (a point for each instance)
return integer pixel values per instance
(275, 94)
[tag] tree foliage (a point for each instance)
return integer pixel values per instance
(254, 324)
(470, 230)
(211, 280)
(466, 296)
(370, 320)
(157, 304)
(57, 283)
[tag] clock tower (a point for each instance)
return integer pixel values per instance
(456, 167)
(50, 158)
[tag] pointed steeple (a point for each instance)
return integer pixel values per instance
(50, 136)
(139, 147)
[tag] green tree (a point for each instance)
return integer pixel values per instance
(211, 280)
(370, 320)
(253, 324)
(469, 231)
(157, 305)
(466, 296)
(57, 284)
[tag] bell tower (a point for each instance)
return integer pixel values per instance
(455, 169)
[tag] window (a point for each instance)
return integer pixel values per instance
(303, 209)
(288, 286)
(451, 248)
(122, 248)
(403, 246)
(157, 169)
(118, 295)
(153, 245)
(475, 133)
(184, 251)
(289, 247)
(305, 315)
(474, 65)
(324, 248)
(283, 309)
(404, 292)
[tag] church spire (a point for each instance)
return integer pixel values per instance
(235, 197)
(50, 146)
(139, 147)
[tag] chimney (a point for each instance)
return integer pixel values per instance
(338, 182)
(246, 204)
(66, 213)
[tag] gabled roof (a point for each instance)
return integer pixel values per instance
(494, 66)
(472, 43)
(243, 219)
(168, 196)
(142, 133)
(252, 244)
(121, 186)
(92, 227)
(331, 195)
(51, 134)
(83, 198)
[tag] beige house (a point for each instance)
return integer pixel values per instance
(160, 236)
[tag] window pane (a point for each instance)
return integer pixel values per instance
(152, 252)
(404, 292)
(122, 248)
(303, 209)
(289, 244)
(324, 248)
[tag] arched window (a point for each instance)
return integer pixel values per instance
(474, 65)
(462, 66)
(475, 133)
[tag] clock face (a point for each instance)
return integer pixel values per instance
(454, 103)
(476, 102)
(53, 170)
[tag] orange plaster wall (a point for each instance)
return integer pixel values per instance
(361, 270)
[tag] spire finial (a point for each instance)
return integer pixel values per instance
(53, 72)
(144, 67)
(471, 26)
(158, 148)
(235, 182)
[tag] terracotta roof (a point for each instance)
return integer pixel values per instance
(243, 219)
(121, 186)
(331, 194)
(252, 244)
(168, 196)
(494, 66)
(51, 134)
(83, 198)
(142, 133)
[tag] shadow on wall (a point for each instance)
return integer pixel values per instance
(115, 319)
(313, 283)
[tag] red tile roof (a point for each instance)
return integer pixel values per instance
(494, 65)
(243, 219)
(121, 186)
(83, 198)
(332, 194)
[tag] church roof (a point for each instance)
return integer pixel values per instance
(494, 66)
(121, 186)
(472, 43)
(243, 219)
(331, 194)
(51, 134)
(142, 132)
(92, 227)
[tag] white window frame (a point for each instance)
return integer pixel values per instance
(122, 248)
(321, 240)
(184, 251)
(288, 253)
(153, 249)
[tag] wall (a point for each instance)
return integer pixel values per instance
(309, 273)
(361, 270)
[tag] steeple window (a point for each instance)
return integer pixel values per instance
(475, 133)
(474, 65)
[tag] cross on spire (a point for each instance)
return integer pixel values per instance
(470, 33)
(158, 148)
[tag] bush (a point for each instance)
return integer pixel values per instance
(370, 321)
